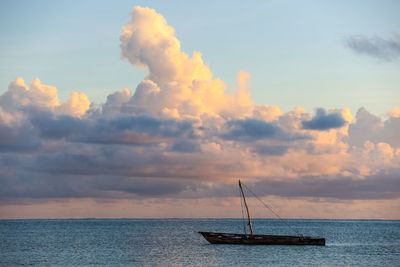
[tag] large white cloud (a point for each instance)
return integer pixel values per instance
(177, 85)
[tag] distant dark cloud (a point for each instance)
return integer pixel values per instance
(252, 129)
(380, 48)
(186, 146)
(323, 121)
(151, 125)
(19, 138)
(58, 127)
(271, 150)
(134, 130)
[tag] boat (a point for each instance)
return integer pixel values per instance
(256, 239)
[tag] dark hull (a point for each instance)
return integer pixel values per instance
(241, 239)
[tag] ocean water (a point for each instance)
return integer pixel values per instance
(175, 242)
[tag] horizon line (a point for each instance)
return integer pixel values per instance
(195, 218)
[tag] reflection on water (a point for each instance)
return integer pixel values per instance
(161, 242)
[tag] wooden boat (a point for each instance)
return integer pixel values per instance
(252, 239)
(243, 239)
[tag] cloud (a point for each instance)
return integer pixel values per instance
(323, 121)
(148, 41)
(383, 49)
(57, 127)
(18, 139)
(40, 96)
(186, 146)
(115, 101)
(180, 135)
(177, 84)
(77, 105)
(271, 150)
(251, 130)
(383, 185)
(87, 186)
(137, 130)
(369, 127)
(153, 187)
(267, 113)
(394, 113)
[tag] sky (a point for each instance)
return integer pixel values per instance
(153, 109)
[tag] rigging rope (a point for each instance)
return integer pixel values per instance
(276, 214)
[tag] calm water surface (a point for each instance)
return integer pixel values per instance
(175, 242)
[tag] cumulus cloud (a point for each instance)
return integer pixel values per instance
(177, 84)
(37, 95)
(115, 101)
(77, 105)
(148, 41)
(179, 134)
(385, 49)
(369, 127)
(323, 121)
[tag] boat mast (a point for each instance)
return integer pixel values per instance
(247, 209)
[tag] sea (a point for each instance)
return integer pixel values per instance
(175, 242)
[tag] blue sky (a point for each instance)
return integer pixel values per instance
(294, 50)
